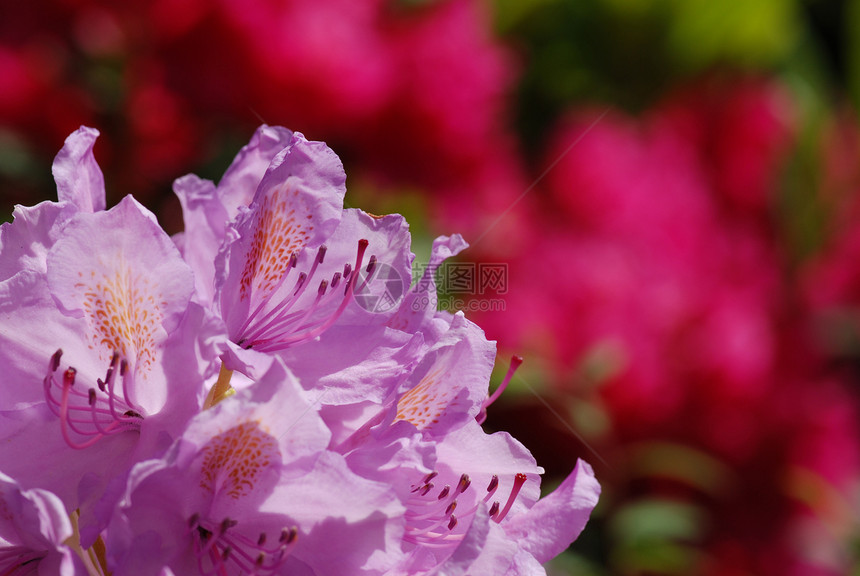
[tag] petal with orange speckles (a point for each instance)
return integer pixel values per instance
(132, 288)
(448, 387)
(297, 206)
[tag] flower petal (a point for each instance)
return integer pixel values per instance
(132, 287)
(549, 527)
(79, 178)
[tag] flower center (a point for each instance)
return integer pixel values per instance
(424, 404)
(219, 546)
(278, 322)
(86, 417)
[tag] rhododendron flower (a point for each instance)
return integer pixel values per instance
(101, 302)
(250, 487)
(452, 523)
(289, 257)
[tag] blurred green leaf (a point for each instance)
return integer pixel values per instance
(570, 564)
(851, 23)
(744, 32)
(656, 535)
(694, 467)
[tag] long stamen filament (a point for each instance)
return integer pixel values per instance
(516, 362)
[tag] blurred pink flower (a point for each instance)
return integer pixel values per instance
(413, 95)
(654, 278)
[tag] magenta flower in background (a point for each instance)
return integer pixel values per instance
(366, 78)
(658, 292)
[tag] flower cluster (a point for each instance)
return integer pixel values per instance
(261, 394)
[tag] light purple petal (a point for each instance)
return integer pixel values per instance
(484, 550)
(349, 525)
(35, 522)
(131, 286)
(557, 519)
(448, 387)
(207, 210)
(79, 179)
(470, 450)
(240, 181)
(25, 242)
(205, 221)
(354, 364)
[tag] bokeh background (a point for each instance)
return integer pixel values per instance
(671, 186)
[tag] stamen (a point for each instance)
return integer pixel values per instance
(221, 550)
(276, 323)
(516, 362)
(289, 535)
(300, 283)
(464, 483)
(55, 360)
(519, 480)
(86, 417)
(432, 522)
(226, 524)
